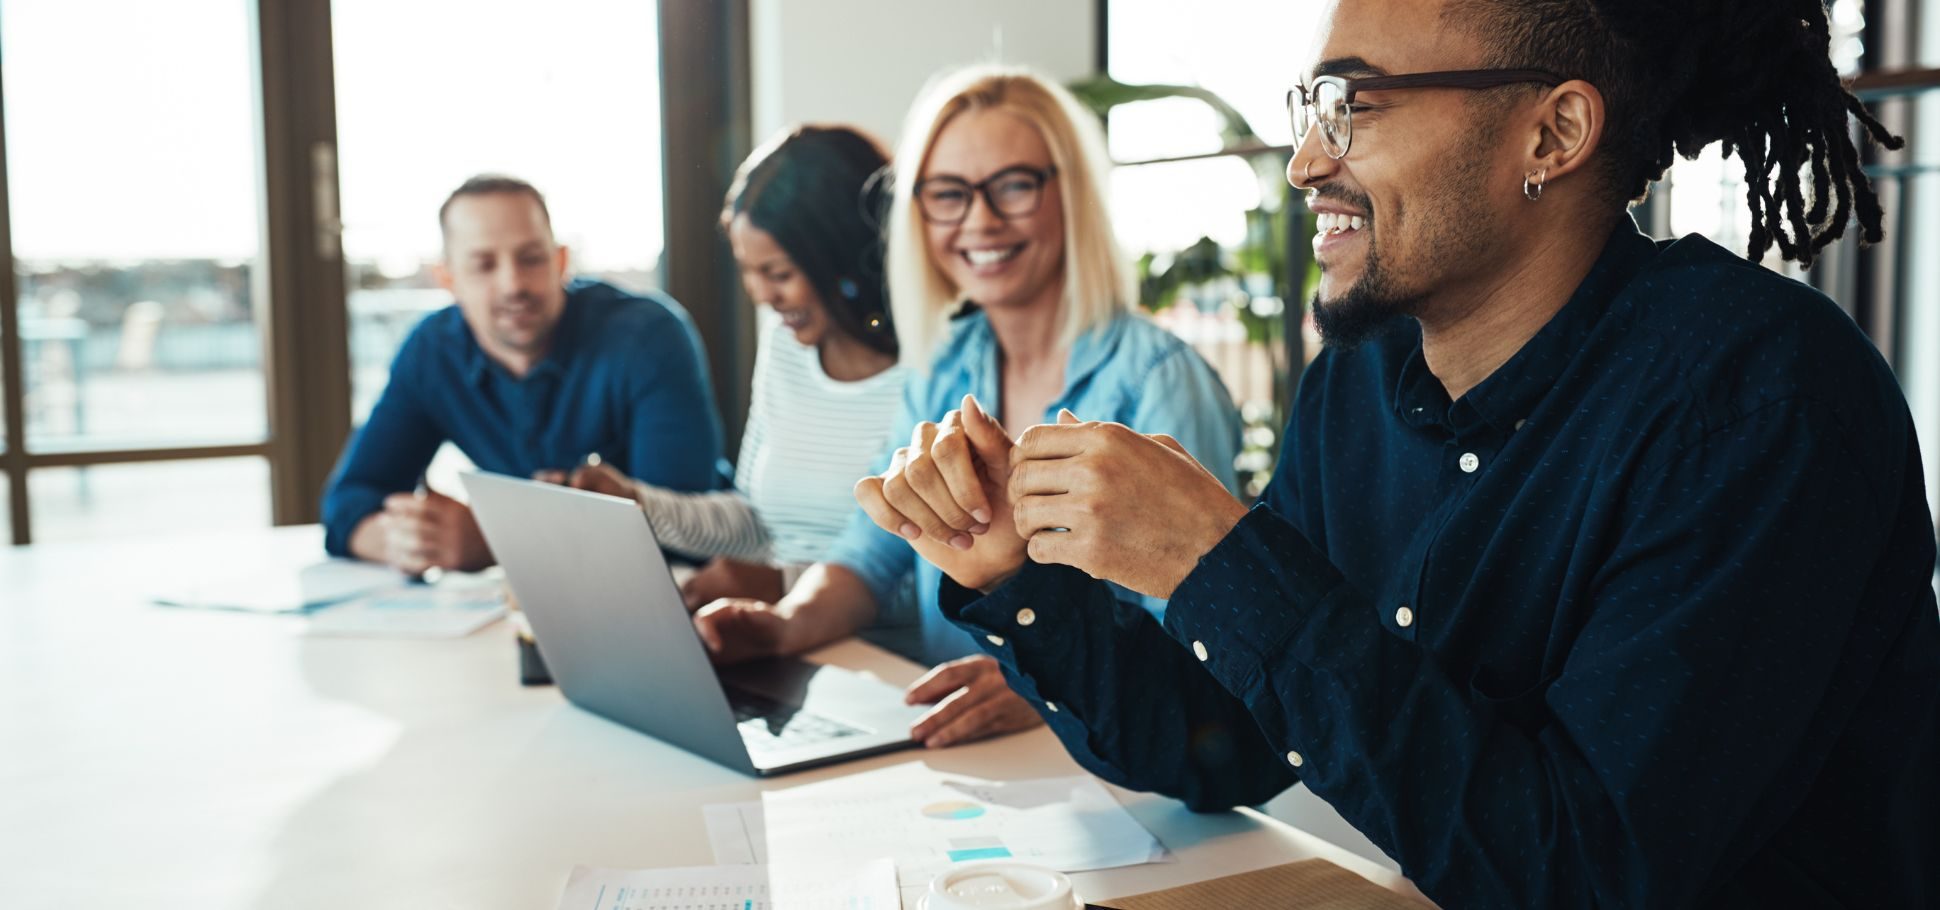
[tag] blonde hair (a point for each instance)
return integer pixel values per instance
(1098, 280)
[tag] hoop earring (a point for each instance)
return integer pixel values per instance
(1536, 192)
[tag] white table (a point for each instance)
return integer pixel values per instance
(154, 756)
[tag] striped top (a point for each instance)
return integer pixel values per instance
(808, 439)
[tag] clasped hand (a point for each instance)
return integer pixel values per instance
(1119, 505)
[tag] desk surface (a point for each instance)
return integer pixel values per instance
(173, 757)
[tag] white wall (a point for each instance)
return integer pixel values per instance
(861, 62)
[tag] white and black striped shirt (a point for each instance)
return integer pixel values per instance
(808, 439)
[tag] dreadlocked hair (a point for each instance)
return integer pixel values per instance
(1680, 75)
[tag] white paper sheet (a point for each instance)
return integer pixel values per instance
(737, 833)
(453, 608)
(282, 591)
(930, 821)
(868, 886)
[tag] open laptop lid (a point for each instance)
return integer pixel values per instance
(580, 565)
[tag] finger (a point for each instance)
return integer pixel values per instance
(924, 481)
(1046, 478)
(1042, 514)
(1057, 548)
(550, 476)
(403, 505)
(435, 498)
(917, 517)
(705, 625)
(869, 495)
(1054, 440)
(978, 721)
(956, 462)
(988, 440)
(941, 680)
(949, 711)
(1066, 418)
(1166, 440)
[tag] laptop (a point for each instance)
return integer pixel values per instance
(619, 642)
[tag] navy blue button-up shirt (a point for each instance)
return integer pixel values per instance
(625, 378)
(1645, 619)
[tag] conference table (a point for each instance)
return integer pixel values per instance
(158, 756)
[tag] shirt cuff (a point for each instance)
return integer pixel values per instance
(1033, 619)
(1248, 596)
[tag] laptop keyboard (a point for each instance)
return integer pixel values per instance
(770, 726)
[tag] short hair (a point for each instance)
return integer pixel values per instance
(818, 191)
(1098, 279)
(1679, 75)
(490, 185)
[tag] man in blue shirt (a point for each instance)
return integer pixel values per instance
(526, 373)
(1596, 571)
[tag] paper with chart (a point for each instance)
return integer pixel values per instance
(454, 607)
(869, 885)
(278, 590)
(930, 821)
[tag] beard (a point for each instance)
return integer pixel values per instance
(1365, 310)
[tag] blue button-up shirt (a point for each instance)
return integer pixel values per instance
(1645, 619)
(625, 378)
(1126, 370)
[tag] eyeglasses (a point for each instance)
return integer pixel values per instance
(1329, 103)
(1012, 193)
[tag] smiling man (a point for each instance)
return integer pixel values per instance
(1596, 571)
(527, 372)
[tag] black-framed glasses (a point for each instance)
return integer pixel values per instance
(1013, 192)
(1329, 102)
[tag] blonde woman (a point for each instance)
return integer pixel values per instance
(1008, 285)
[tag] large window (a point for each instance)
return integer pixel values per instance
(430, 92)
(221, 210)
(1200, 196)
(133, 194)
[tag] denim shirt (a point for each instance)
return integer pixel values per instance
(1126, 370)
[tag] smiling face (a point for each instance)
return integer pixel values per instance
(1417, 209)
(996, 261)
(773, 280)
(507, 272)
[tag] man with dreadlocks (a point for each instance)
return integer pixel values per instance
(1596, 571)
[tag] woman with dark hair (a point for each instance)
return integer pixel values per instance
(801, 217)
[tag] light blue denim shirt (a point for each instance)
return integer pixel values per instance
(1126, 371)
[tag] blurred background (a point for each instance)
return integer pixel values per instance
(221, 214)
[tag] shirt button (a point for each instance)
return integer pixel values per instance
(1199, 650)
(1026, 616)
(1294, 759)
(997, 640)
(1519, 423)
(1404, 617)
(1053, 706)
(1469, 462)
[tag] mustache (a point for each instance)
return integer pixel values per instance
(1341, 195)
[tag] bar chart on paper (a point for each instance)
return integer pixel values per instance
(929, 822)
(872, 886)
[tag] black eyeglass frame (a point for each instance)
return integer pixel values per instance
(1301, 98)
(983, 188)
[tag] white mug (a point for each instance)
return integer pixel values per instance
(1000, 885)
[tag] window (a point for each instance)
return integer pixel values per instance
(430, 92)
(132, 177)
(1203, 202)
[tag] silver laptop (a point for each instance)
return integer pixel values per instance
(618, 640)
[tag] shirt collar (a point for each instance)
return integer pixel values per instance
(1507, 396)
(477, 364)
(1089, 353)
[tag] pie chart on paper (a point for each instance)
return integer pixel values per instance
(953, 810)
